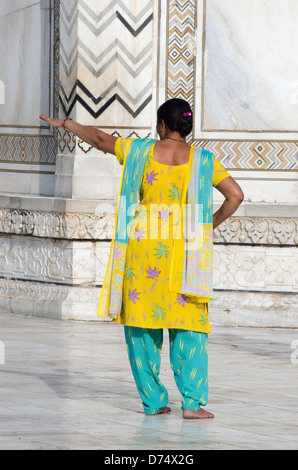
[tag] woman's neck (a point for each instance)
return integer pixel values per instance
(177, 137)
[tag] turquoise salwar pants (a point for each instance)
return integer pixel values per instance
(189, 362)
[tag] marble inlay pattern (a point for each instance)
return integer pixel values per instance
(69, 143)
(24, 149)
(181, 58)
(271, 155)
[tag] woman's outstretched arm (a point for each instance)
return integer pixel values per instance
(92, 136)
(233, 198)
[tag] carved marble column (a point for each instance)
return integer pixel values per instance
(106, 76)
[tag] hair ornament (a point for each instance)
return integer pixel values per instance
(186, 114)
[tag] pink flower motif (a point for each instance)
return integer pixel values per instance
(182, 299)
(118, 253)
(133, 295)
(139, 233)
(151, 177)
(153, 273)
(164, 213)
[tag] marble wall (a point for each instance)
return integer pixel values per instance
(109, 64)
(25, 36)
(29, 77)
(249, 76)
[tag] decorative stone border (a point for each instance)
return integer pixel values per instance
(250, 230)
(81, 226)
(57, 225)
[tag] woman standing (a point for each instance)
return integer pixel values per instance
(159, 274)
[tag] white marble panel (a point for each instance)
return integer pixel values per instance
(25, 182)
(25, 61)
(271, 191)
(265, 187)
(253, 309)
(251, 65)
(49, 300)
(86, 177)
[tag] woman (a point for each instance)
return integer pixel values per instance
(159, 274)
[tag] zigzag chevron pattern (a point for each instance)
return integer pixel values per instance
(75, 97)
(180, 60)
(254, 155)
(106, 46)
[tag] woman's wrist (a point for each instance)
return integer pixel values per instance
(64, 122)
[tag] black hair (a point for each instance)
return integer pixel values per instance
(177, 115)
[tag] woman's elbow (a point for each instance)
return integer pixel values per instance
(231, 191)
(239, 196)
(236, 196)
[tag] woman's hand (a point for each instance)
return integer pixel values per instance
(52, 121)
(96, 138)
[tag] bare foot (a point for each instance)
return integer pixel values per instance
(164, 409)
(197, 414)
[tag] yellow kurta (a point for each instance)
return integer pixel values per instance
(147, 301)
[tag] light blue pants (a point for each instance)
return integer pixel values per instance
(189, 362)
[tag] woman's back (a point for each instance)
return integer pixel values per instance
(170, 152)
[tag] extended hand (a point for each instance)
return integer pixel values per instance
(96, 138)
(52, 121)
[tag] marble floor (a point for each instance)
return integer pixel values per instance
(68, 385)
